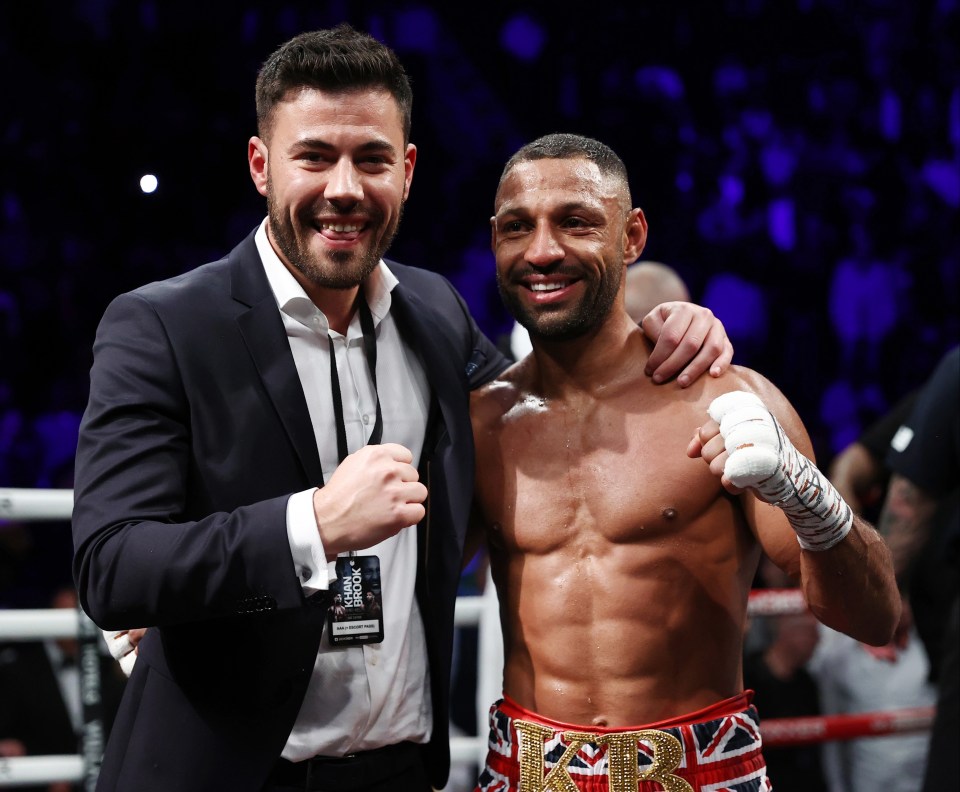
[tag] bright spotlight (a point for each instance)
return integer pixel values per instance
(148, 183)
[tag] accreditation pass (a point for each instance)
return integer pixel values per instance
(355, 615)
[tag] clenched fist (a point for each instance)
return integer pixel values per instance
(373, 495)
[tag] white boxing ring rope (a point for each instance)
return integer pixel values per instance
(36, 505)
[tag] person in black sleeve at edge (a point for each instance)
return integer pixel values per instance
(861, 473)
(924, 456)
(286, 424)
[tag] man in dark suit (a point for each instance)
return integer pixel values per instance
(285, 423)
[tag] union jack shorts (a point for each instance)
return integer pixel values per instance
(716, 749)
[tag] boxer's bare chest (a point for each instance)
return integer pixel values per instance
(614, 470)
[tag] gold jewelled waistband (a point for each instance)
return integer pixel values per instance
(623, 772)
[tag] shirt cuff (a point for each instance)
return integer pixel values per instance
(309, 559)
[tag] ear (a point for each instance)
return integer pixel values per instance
(409, 161)
(493, 233)
(257, 158)
(635, 236)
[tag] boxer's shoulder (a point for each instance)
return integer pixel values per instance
(736, 378)
(740, 378)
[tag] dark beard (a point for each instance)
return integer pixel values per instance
(349, 268)
(586, 316)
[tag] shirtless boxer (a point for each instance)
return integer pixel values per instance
(622, 553)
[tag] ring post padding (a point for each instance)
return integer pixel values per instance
(93, 738)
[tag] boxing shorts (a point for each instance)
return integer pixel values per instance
(716, 749)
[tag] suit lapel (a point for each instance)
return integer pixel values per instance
(263, 332)
(448, 429)
(417, 324)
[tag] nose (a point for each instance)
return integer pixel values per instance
(344, 187)
(544, 247)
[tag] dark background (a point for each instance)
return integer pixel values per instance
(798, 162)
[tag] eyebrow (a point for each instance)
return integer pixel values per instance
(564, 208)
(319, 143)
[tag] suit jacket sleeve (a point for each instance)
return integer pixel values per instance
(148, 549)
(486, 360)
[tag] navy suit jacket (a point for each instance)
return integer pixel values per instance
(195, 435)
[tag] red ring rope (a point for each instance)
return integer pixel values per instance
(779, 732)
(775, 602)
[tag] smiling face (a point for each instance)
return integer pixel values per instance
(335, 171)
(563, 233)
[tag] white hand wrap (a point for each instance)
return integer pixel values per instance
(120, 646)
(761, 456)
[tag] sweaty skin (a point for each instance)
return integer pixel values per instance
(622, 558)
(622, 565)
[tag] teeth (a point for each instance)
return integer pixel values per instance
(544, 287)
(339, 227)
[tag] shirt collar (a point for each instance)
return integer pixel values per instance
(293, 300)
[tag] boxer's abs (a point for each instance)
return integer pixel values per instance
(599, 641)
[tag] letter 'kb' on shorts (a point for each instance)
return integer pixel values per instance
(717, 749)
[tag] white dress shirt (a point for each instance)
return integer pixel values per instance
(360, 697)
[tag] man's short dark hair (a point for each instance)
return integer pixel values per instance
(563, 145)
(334, 59)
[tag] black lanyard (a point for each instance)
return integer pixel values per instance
(370, 352)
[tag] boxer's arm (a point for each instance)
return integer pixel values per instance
(799, 518)
(850, 587)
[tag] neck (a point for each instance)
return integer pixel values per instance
(338, 305)
(610, 354)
